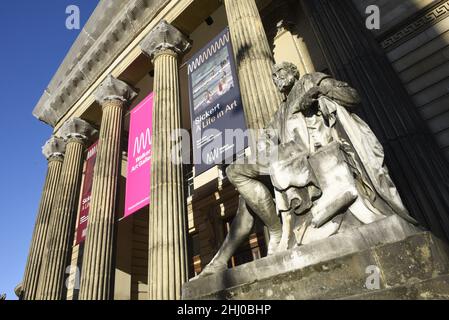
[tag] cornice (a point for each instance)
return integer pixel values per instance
(89, 57)
(414, 25)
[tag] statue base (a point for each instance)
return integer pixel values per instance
(387, 259)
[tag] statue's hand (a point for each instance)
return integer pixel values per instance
(312, 96)
(308, 100)
(314, 92)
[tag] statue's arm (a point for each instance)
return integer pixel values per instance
(268, 139)
(340, 91)
(271, 132)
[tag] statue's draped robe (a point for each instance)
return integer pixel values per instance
(294, 135)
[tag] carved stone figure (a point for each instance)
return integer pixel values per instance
(325, 165)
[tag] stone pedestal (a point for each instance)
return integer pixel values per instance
(388, 259)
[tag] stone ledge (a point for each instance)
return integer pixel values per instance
(90, 57)
(332, 268)
(432, 289)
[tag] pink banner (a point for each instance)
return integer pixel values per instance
(86, 193)
(139, 157)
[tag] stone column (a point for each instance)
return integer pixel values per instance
(415, 161)
(167, 269)
(254, 61)
(53, 151)
(285, 19)
(59, 241)
(97, 274)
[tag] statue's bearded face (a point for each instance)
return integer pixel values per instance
(284, 80)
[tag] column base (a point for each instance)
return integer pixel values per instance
(413, 264)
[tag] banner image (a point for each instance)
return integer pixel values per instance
(139, 157)
(86, 193)
(215, 104)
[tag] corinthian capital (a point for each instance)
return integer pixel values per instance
(114, 89)
(77, 128)
(164, 37)
(54, 147)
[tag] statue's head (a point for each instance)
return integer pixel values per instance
(285, 74)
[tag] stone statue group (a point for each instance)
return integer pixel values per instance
(328, 174)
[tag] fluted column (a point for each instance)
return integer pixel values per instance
(415, 161)
(282, 18)
(97, 275)
(167, 268)
(53, 151)
(254, 62)
(59, 241)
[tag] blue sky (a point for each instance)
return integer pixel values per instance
(33, 42)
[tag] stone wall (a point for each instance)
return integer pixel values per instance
(415, 36)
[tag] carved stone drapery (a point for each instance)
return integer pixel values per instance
(415, 161)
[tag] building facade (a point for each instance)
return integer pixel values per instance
(129, 49)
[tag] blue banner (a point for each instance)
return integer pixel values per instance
(215, 104)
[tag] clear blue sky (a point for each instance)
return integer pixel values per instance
(33, 43)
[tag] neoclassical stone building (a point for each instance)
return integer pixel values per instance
(129, 49)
